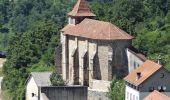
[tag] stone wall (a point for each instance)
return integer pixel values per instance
(119, 62)
(97, 95)
(106, 59)
(100, 85)
(65, 93)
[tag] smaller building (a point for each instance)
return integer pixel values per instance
(39, 87)
(135, 58)
(146, 78)
(155, 95)
(34, 83)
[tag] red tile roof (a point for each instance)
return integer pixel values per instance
(155, 95)
(67, 27)
(147, 69)
(81, 9)
(95, 29)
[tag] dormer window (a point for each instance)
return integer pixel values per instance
(162, 75)
(162, 88)
(138, 75)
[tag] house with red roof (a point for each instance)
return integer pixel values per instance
(145, 79)
(93, 51)
(156, 95)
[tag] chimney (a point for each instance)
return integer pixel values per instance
(159, 58)
(138, 75)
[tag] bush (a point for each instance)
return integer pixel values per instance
(117, 90)
(56, 80)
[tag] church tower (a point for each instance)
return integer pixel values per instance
(79, 13)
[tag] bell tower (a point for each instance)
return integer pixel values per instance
(79, 13)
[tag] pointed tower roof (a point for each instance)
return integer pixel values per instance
(81, 9)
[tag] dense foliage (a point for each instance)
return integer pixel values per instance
(25, 51)
(117, 90)
(56, 79)
(147, 20)
(29, 31)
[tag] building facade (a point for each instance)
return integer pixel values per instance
(93, 51)
(146, 78)
(34, 83)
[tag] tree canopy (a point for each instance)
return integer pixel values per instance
(29, 32)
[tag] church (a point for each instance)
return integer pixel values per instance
(93, 51)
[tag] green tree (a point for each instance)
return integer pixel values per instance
(117, 90)
(56, 80)
(26, 50)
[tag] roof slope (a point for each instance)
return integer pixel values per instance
(67, 27)
(81, 9)
(147, 69)
(95, 29)
(42, 78)
(136, 52)
(155, 95)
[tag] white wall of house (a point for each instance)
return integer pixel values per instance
(131, 94)
(31, 88)
(43, 96)
(133, 61)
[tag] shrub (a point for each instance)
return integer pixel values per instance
(56, 79)
(117, 90)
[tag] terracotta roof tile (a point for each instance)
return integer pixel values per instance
(67, 27)
(81, 9)
(147, 69)
(155, 95)
(95, 29)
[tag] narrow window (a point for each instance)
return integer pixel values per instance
(127, 95)
(162, 75)
(134, 65)
(133, 97)
(136, 97)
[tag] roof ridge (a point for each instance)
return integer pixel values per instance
(118, 29)
(81, 9)
(156, 94)
(78, 2)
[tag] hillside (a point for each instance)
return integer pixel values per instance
(29, 32)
